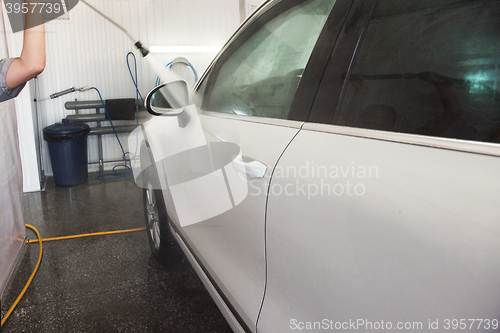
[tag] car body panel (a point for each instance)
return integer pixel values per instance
(408, 232)
(218, 216)
(416, 239)
(231, 244)
(221, 303)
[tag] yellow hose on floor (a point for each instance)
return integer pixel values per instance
(87, 235)
(40, 241)
(31, 277)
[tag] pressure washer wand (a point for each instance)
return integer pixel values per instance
(68, 91)
(137, 43)
(61, 93)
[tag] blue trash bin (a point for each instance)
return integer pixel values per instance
(67, 142)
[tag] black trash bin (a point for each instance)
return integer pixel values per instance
(68, 151)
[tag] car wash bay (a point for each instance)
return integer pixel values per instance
(103, 283)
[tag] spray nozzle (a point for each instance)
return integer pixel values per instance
(68, 91)
(144, 51)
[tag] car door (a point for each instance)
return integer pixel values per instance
(221, 155)
(383, 211)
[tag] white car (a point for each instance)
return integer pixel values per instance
(337, 168)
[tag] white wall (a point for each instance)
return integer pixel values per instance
(250, 5)
(89, 51)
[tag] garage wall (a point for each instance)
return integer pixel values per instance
(87, 50)
(252, 5)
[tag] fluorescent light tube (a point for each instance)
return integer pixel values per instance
(185, 49)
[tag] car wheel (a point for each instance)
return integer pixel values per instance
(156, 219)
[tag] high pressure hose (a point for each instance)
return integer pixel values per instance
(170, 64)
(127, 156)
(137, 43)
(4, 319)
(144, 52)
(126, 172)
(39, 240)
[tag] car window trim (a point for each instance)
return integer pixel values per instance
(254, 16)
(340, 62)
(474, 147)
(252, 119)
(324, 100)
(243, 35)
(318, 61)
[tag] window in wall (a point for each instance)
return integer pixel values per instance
(429, 68)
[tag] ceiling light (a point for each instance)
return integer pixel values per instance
(185, 49)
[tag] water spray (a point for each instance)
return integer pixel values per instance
(137, 43)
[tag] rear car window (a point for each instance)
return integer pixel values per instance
(428, 68)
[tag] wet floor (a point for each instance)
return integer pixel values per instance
(103, 283)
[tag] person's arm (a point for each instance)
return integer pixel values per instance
(32, 59)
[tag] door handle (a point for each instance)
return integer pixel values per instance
(253, 168)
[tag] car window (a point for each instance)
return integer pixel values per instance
(428, 68)
(259, 77)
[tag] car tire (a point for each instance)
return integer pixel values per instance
(155, 215)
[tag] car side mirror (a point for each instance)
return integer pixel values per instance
(168, 99)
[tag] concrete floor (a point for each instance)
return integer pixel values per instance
(103, 283)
